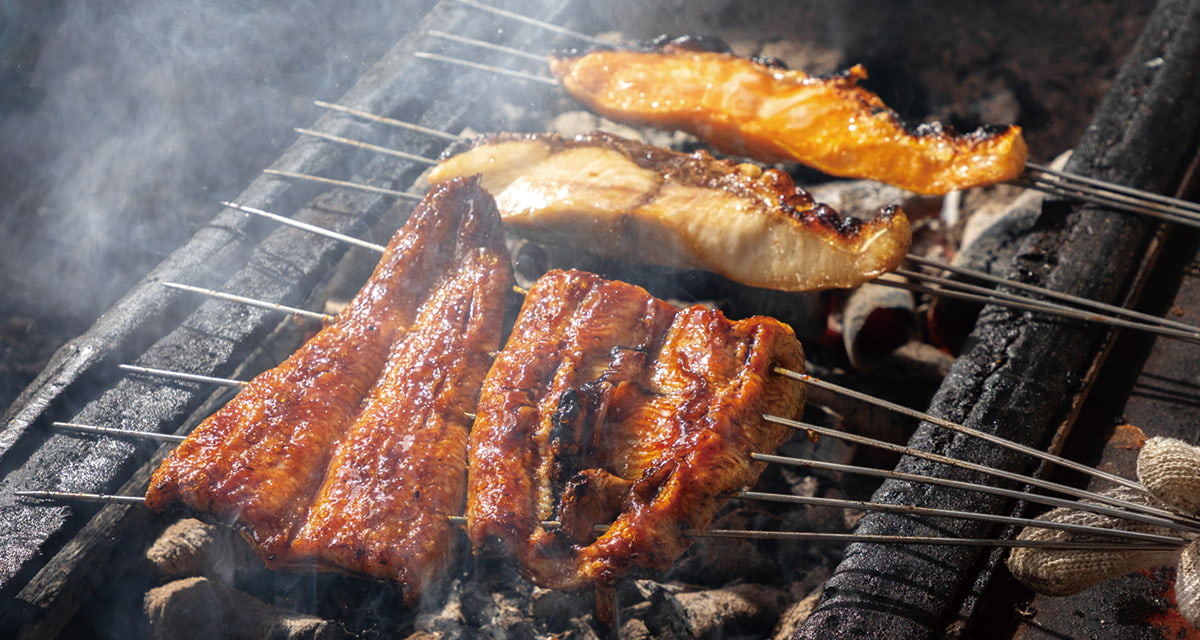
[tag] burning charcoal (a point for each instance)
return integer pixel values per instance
(717, 561)
(989, 243)
(582, 629)
(876, 321)
(203, 608)
(858, 198)
(190, 547)
(446, 623)
(741, 609)
(911, 377)
(744, 608)
(635, 629)
(796, 614)
(805, 312)
(555, 608)
(573, 123)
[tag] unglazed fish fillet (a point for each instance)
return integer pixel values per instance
(752, 108)
(607, 405)
(350, 455)
(619, 198)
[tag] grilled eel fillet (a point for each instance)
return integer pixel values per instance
(350, 454)
(609, 195)
(761, 110)
(608, 405)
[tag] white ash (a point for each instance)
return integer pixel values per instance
(574, 123)
(792, 619)
(744, 609)
(190, 547)
(202, 608)
(864, 198)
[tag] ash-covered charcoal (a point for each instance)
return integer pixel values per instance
(910, 377)
(556, 609)
(190, 547)
(494, 601)
(718, 561)
(798, 612)
(740, 609)
(201, 608)
(447, 622)
(860, 197)
(574, 123)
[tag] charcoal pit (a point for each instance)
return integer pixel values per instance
(73, 569)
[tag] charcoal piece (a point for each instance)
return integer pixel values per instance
(555, 609)
(796, 614)
(739, 609)
(190, 547)
(202, 608)
(876, 321)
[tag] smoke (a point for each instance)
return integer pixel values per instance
(123, 123)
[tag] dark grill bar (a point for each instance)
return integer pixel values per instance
(1020, 376)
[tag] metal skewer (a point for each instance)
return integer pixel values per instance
(1154, 515)
(262, 304)
(963, 291)
(366, 145)
(1139, 512)
(527, 20)
(963, 515)
(85, 497)
(321, 231)
(120, 433)
(343, 183)
(1107, 194)
(1144, 540)
(179, 375)
(947, 288)
(1035, 176)
(547, 80)
(388, 121)
(932, 419)
(953, 426)
(1050, 293)
(1014, 494)
(487, 45)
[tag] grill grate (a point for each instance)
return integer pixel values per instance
(1012, 381)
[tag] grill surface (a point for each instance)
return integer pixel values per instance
(1020, 377)
(1023, 377)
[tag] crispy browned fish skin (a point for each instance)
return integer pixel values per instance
(771, 114)
(616, 197)
(636, 411)
(401, 471)
(259, 462)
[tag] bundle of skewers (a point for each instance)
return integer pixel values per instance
(601, 433)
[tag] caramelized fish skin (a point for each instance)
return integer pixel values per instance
(568, 325)
(617, 197)
(748, 108)
(401, 470)
(259, 462)
(666, 425)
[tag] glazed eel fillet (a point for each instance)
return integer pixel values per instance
(759, 109)
(609, 406)
(627, 200)
(350, 454)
